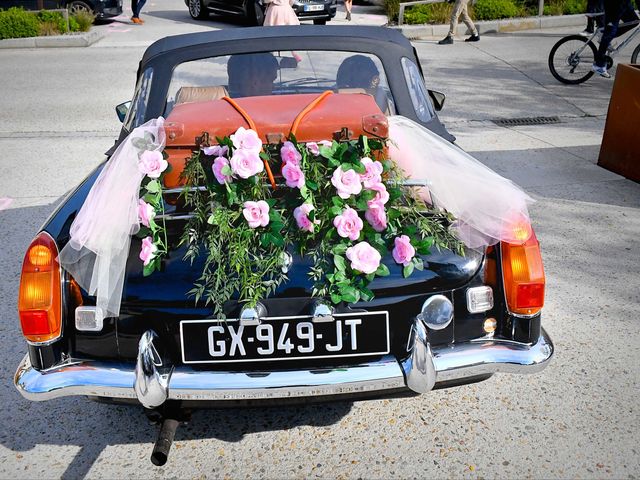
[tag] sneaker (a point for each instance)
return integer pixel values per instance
(602, 71)
(448, 40)
(136, 20)
(473, 38)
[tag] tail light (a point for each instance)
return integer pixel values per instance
(523, 276)
(39, 303)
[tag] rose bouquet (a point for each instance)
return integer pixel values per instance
(342, 204)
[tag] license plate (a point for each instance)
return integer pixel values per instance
(313, 8)
(285, 338)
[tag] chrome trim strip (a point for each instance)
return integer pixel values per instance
(491, 356)
(407, 183)
(116, 380)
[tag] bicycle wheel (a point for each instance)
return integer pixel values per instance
(635, 54)
(571, 58)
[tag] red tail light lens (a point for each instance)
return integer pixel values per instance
(39, 304)
(523, 275)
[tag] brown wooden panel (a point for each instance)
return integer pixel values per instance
(620, 149)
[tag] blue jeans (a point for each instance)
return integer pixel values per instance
(136, 6)
(614, 11)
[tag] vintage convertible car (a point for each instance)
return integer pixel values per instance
(459, 320)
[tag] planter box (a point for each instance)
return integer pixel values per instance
(619, 151)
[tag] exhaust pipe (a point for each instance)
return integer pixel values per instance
(163, 443)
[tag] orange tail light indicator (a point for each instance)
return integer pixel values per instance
(523, 276)
(39, 298)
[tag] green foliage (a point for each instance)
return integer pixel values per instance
(495, 9)
(74, 26)
(247, 263)
(392, 7)
(84, 19)
(435, 13)
(565, 7)
(52, 19)
(17, 23)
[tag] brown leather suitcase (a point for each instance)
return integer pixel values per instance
(335, 116)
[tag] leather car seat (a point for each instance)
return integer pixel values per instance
(200, 94)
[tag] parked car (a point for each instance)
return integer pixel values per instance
(167, 352)
(102, 9)
(319, 11)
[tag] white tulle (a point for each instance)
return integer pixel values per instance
(100, 236)
(488, 208)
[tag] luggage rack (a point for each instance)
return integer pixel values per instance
(202, 188)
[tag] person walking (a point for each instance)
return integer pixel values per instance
(136, 7)
(280, 12)
(460, 7)
(348, 4)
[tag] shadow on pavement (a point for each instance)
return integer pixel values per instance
(184, 17)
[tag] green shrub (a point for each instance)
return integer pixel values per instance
(17, 23)
(53, 19)
(434, 13)
(48, 28)
(84, 20)
(495, 9)
(392, 7)
(74, 26)
(573, 7)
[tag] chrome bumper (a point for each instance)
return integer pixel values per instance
(150, 384)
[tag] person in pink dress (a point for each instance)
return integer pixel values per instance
(279, 12)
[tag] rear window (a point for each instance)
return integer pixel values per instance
(279, 73)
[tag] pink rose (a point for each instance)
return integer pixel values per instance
(246, 140)
(376, 216)
(364, 257)
(290, 154)
(246, 163)
(301, 214)
(373, 173)
(145, 212)
(152, 164)
(348, 224)
(403, 252)
(313, 148)
(256, 213)
(346, 183)
(382, 196)
(147, 251)
(216, 150)
(218, 164)
(293, 175)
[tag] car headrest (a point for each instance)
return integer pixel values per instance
(200, 94)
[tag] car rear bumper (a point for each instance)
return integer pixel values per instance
(151, 384)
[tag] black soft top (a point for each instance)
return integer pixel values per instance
(327, 37)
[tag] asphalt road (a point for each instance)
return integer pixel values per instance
(578, 418)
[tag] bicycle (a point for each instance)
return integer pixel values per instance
(571, 57)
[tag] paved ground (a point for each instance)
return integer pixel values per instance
(577, 419)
